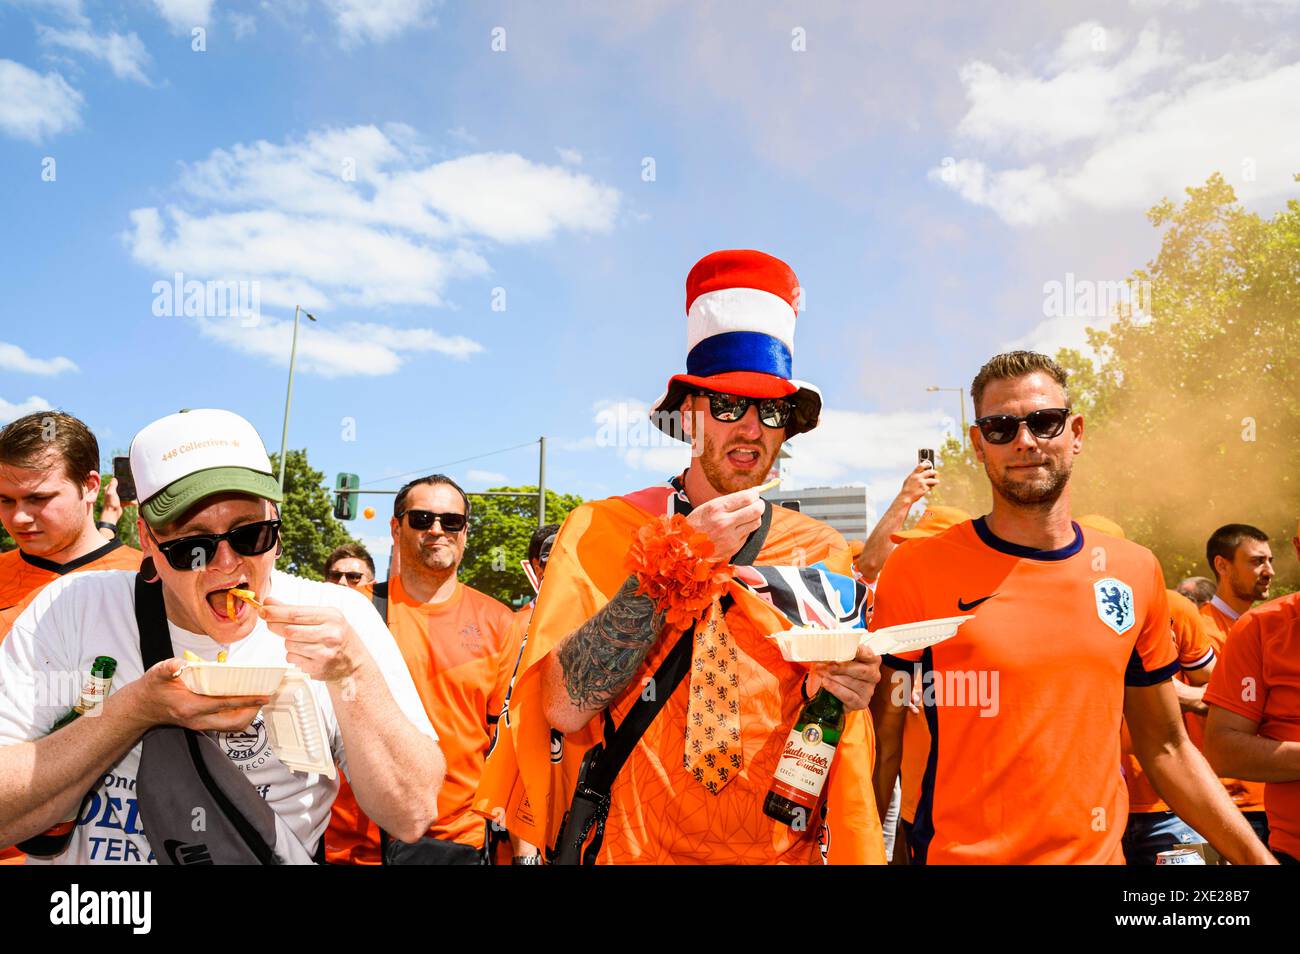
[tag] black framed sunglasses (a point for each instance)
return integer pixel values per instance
(1044, 424)
(423, 520)
(335, 576)
(729, 408)
(196, 552)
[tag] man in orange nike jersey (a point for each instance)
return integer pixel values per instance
(49, 482)
(461, 648)
(1242, 562)
(1253, 729)
(1070, 635)
(692, 788)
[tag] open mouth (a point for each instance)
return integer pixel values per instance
(743, 458)
(224, 605)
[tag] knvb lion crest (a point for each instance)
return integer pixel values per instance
(1114, 604)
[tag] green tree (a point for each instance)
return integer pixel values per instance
(499, 529)
(309, 531)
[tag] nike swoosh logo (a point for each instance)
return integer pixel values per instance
(973, 603)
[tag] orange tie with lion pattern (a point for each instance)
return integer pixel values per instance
(713, 752)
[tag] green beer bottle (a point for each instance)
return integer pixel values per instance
(54, 841)
(93, 692)
(805, 762)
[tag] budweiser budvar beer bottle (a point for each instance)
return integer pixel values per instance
(54, 840)
(806, 761)
(93, 692)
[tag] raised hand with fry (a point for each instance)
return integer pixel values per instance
(317, 639)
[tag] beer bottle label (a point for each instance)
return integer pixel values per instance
(805, 762)
(93, 692)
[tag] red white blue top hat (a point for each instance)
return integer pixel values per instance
(741, 307)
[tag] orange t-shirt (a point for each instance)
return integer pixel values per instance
(1259, 679)
(1195, 651)
(461, 653)
(1247, 796)
(1024, 703)
(22, 576)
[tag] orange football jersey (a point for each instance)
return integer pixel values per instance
(1258, 678)
(1024, 703)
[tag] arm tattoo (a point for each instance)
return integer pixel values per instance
(601, 656)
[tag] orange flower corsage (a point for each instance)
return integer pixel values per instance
(674, 565)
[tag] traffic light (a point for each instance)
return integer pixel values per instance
(345, 505)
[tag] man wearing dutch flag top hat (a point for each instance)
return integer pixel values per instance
(652, 703)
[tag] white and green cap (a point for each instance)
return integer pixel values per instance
(183, 458)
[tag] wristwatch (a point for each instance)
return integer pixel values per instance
(105, 525)
(526, 860)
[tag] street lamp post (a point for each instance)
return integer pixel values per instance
(961, 396)
(288, 397)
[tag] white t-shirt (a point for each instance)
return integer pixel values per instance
(50, 650)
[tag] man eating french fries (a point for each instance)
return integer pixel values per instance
(209, 526)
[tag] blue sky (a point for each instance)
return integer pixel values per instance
(381, 163)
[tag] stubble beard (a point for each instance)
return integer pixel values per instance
(713, 462)
(1040, 492)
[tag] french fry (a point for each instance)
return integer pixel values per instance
(248, 596)
(769, 485)
(221, 656)
(192, 657)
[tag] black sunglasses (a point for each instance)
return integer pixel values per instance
(196, 552)
(729, 408)
(423, 520)
(335, 575)
(1044, 424)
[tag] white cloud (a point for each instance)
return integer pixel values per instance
(490, 477)
(11, 412)
(569, 156)
(358, 217)
(1114, 128)
(351, 349)
(125, 55)
(14, 358)
(1088, 93)
(184, 15)
(35, 107)
(361, 21)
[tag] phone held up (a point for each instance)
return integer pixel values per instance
(925, 456)
(125, 482)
